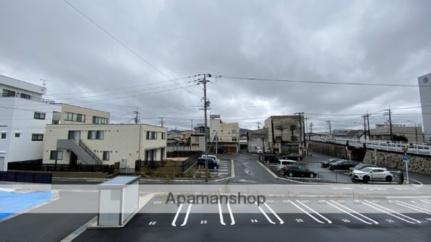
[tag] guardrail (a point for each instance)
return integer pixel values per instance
(418, 149)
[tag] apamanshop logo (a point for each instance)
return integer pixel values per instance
(215, 199)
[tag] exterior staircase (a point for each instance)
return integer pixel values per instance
(84, 154)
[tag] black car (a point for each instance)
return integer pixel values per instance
(342, 165)
(269, 158)
(298, 171)
(326, 163)
(211, 163)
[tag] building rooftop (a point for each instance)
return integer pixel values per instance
(15, 83)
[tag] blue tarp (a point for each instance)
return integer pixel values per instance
(15, 202)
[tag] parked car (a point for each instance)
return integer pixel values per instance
(342, 165)
(259, 150)
(298, 171)
(278, 167)
(372, 174)
(212, 163)
(360, 166)
(269, 158)
(326, 163)
(212, 157)
(267, 150)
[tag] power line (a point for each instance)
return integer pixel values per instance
(318, 82)
(92, 21)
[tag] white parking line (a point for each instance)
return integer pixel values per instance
(232, 219)
(390, 212)
(264, 214)
(413, 207)
(426, 201)
(306, 212)
(187, 215)
(273, 212)
(347, 212)
(220, 214)
(355, 212)
(318, 214)
(174, 221)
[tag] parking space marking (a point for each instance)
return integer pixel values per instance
(355, 212)
(426, 201)
(312, 210)
(232, 219)
(275, 214)
(306, 212)
(220, 212)
(187, 215)
(338, 206)
(174, 221)
(264, 214)
(391, 212)
(413, 207)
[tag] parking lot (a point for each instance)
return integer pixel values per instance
(276, 215)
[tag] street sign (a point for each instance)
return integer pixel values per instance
(406, 157)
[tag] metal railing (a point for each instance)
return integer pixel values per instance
(418, 149)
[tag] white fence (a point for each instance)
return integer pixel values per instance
(418, 149)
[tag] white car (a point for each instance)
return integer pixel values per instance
(282, 164)
(372, 174)
(259, 150)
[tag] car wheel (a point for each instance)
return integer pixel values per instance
(311, 175)
(366, 179)
(388, 179)
(290, 174)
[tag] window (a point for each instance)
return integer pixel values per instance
(39, 115)
(96, 134)
(151, 135)
(36, 137)
(3, 135)
(234, 139)
(8, 93)
(25, 96)
(17, 134)
(99, 120)
(163, 135)
(106, 155)
(56, 155)
(74, 117)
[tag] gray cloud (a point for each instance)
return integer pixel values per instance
(352, 41)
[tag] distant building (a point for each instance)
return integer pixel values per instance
(24, 115)
(72, 114)
(98, 144)
(425, 94)
(411, 133)
(348, 133)
(224, 137)
(286, 135)
(257, 139)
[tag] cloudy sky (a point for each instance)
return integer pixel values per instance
(121, 56)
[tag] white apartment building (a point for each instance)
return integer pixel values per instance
(224, 137)
(23, 117)
(106, 144)
(425, 93)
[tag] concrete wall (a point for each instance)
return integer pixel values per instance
(336, 150)
(419, 164)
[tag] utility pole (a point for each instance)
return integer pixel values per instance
(368, 125)
(202, 79)
(191, 125)
(136, 119)
(330, 128)
(365, 126)
(258, 124)
(162, 123)
(389, 112)
(310, 131)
